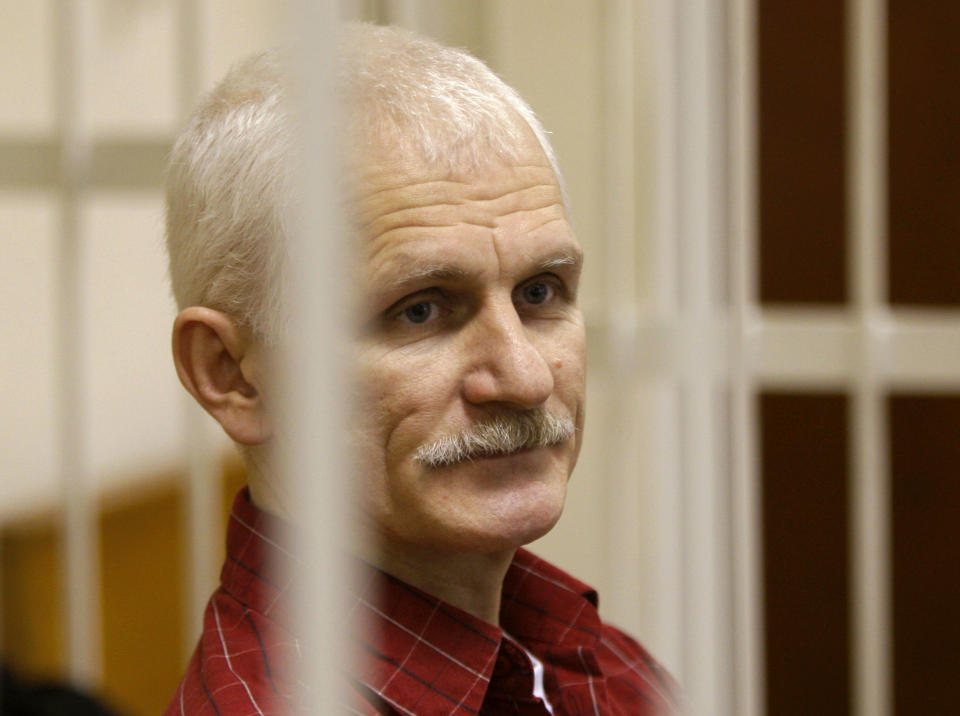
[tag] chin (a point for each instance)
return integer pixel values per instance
(506, 527)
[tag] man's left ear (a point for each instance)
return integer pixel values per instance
(222, 366)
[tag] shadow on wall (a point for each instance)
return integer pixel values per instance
(23, 698)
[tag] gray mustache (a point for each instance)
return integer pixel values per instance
(499, 435)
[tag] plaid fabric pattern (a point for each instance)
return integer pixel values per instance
(414, 653)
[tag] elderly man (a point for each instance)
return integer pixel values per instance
(471, 367)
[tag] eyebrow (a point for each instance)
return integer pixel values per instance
(418, 275)
(424, 274)
(570, 258)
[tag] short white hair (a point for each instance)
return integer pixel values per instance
(229, 177)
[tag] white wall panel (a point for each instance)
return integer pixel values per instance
(26, 68)
(236, 28)
(131, 396)
(131, 84)
(28, 224)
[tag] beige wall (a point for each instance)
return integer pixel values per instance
(133, 405)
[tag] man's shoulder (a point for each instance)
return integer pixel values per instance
(238, 666)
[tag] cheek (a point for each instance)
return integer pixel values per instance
(569, 366)
(403, 396)
(569, 375)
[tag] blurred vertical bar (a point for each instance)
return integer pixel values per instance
(203, 504)
(317, 407)
(79, 547)
(702, 225)
(667, 211)
(747, 580)
(624, 494)
(870, 548)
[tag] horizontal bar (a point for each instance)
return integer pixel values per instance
(803, 348)
(919, 350)
(800, 349)
(27, 163)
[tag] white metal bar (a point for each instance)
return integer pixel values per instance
(804, 349)
(81, 566)
(745, 480)
(620, 219)
(913, 350)
(921, 352)
(870, 551)
(667, 207)
(201, 519)
(706, 519)
(316, 391)
(815, 349)
(658, 345)
(624, 533)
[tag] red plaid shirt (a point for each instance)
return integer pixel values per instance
(420, 656)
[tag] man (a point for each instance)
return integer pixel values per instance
(471, 365)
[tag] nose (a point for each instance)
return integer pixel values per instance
(505, 364)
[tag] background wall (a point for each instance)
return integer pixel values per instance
(132, 103)
(765, 193)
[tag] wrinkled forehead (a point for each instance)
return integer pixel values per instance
(421, 207)
(376, 169)
(416, 229)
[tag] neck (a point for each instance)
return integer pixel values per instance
(270, 495)
(468, 581)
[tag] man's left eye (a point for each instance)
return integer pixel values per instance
(537, 293)
(419, 312)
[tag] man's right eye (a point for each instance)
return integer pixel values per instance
(419, 312)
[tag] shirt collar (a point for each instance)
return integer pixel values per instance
(544, 607)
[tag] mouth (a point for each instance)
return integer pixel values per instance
(503, 454)
(492, 458)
